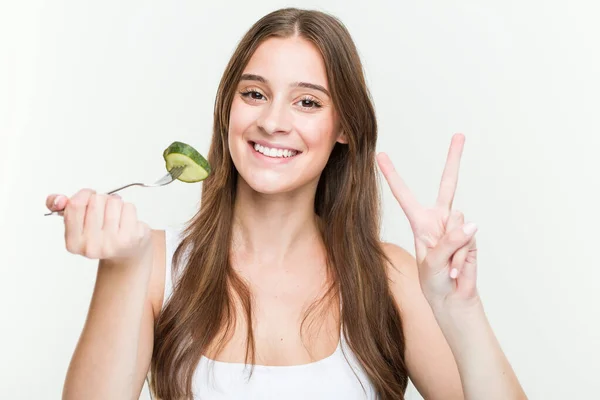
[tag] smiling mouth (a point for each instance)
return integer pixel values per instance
(274, 152)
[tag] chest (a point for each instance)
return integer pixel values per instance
(294, 321)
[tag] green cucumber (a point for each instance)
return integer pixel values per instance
(181, 154)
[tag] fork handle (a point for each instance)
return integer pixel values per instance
(111, 192)
(124, 187)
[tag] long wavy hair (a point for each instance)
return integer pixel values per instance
(201, 310)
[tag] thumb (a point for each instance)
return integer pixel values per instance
(56, 202)
(450, 243)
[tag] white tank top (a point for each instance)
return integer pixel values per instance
(339, 376)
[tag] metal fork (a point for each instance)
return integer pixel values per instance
(172, 175)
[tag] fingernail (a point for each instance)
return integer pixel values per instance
(469, 228)
(453, 273)
(56, 200)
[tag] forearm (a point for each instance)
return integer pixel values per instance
(485, 371)
(104, 362)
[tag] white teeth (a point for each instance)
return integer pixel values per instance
(276, 153)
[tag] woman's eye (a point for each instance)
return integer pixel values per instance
(309, 103)
(253, 94)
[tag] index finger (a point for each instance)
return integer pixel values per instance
(450, 174)
(401, 192)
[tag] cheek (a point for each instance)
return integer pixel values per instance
(240, 117)
(318, 134)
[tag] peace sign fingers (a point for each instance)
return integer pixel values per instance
(402, 193)
(450, 175)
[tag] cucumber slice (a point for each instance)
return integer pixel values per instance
(196, 166)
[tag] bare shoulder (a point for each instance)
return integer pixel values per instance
(403, 277)
(403, 268)
(397, 254)
(156, 288)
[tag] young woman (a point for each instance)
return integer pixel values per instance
(282, 269)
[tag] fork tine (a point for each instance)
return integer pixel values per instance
(177, 171)
(172, 175)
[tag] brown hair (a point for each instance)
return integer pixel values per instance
(347, 200)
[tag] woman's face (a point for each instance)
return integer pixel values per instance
(283, 125)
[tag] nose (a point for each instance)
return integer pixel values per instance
(275, 118)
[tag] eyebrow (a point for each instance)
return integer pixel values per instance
(258, 78)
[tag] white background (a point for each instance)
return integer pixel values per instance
(92, 92)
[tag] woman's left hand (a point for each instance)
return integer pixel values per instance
(446, 250)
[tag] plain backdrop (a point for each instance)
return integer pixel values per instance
(92, 92)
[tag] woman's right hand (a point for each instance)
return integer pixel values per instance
(102, 227)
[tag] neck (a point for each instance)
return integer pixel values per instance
(274, 228)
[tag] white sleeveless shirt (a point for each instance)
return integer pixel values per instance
(339, 376)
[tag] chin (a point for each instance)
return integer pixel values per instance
(267, 185)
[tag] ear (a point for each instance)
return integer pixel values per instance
(342, 138)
